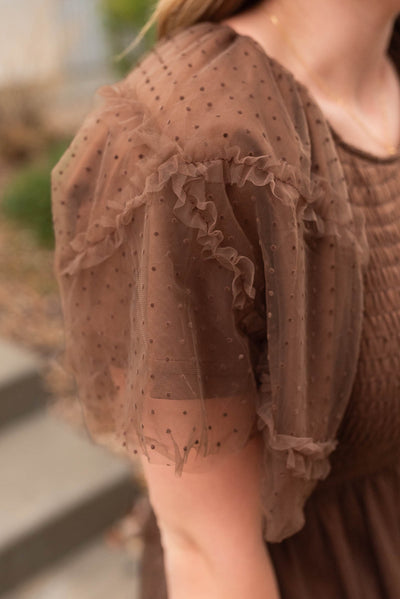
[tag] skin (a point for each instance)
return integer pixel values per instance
(210, 527)
(350, 57)
(209, 551)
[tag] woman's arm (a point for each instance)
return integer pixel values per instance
(211, 528)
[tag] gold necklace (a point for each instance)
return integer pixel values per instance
(389, 147)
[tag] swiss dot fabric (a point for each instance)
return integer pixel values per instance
(210, 264)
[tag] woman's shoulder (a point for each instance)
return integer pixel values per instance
(206, 87)
(205, 104)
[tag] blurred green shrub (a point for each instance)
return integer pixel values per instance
(26, 198)
(123, 20)
(120, 12)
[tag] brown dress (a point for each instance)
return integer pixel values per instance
(227, 267)
(350, 545)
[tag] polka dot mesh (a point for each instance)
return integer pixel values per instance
(209, 266)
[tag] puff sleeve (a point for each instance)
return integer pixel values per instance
(158, 278)
(210, 291)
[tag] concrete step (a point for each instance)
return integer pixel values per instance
(21, 385)
(95, 571)
(57, 490)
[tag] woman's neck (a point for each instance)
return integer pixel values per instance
(343, 42)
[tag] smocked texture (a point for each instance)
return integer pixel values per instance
(228, 267)
(350, 544)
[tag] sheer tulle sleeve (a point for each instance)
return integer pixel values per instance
(211, 283)
(158, 279)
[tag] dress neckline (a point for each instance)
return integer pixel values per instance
(351, 148)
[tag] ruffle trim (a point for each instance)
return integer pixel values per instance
(319, 204)
(306, 458)
(292, 468)
(285, 182)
